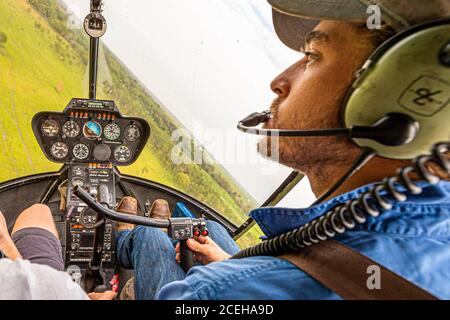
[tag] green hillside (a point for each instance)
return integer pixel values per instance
(43, 64)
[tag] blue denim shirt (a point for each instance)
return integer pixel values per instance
(412, 239)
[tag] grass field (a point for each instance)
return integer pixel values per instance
(43, 65)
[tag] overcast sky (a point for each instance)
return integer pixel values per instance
(210, 62)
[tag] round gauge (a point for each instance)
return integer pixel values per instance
(102, 152)
(132, 132)
(78, 182)
(122, 154)
(50, 128)
(71, 129)
(92, 130)
(80, 151)
(112, 131)
(59, 150)
(78, 171)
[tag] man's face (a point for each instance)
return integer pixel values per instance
(311, 93)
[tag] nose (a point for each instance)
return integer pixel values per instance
(281, 85)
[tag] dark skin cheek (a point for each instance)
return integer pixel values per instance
(313, 102)
(312, 105)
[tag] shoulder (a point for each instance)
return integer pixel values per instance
(251, 278)
(21, 279)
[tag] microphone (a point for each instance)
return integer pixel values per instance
(248, 123)
(394, 129)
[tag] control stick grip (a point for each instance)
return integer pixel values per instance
(186, 256)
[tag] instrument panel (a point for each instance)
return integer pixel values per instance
(90, 131)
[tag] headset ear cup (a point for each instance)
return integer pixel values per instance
(405, 76)
(444, 55)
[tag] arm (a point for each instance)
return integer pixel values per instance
(107, 295)
(7, 245)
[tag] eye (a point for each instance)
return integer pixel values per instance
(311, 56)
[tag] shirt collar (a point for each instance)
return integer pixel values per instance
(274, 220)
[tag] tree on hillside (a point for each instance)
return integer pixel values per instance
(3, 38)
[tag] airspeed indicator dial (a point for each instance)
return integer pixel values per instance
(80, 151)
(112, 131)
(122, 154)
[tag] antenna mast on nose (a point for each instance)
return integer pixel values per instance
(95, 27)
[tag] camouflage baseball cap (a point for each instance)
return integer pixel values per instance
(294, 19)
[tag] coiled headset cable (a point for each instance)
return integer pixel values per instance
(346, 216)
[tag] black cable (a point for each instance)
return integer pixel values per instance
(346, 216)
(365, 156)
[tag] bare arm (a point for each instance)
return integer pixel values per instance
(7, 245)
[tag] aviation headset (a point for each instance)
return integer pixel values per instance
(398, 108)
(399, 103)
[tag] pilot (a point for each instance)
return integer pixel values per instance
(412, 239)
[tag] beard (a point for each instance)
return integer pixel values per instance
(302, 153)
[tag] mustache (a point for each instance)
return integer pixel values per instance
(274, 107)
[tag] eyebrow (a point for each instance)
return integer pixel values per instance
(315, 36)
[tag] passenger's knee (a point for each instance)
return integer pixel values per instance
(40, 210)
(38, 216)
(40, 206)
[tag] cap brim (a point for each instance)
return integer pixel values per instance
(292, 30)
(323, 9)
(293, 20)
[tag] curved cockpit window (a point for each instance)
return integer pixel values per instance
(191, 69)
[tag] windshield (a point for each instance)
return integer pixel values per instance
(192, 69)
